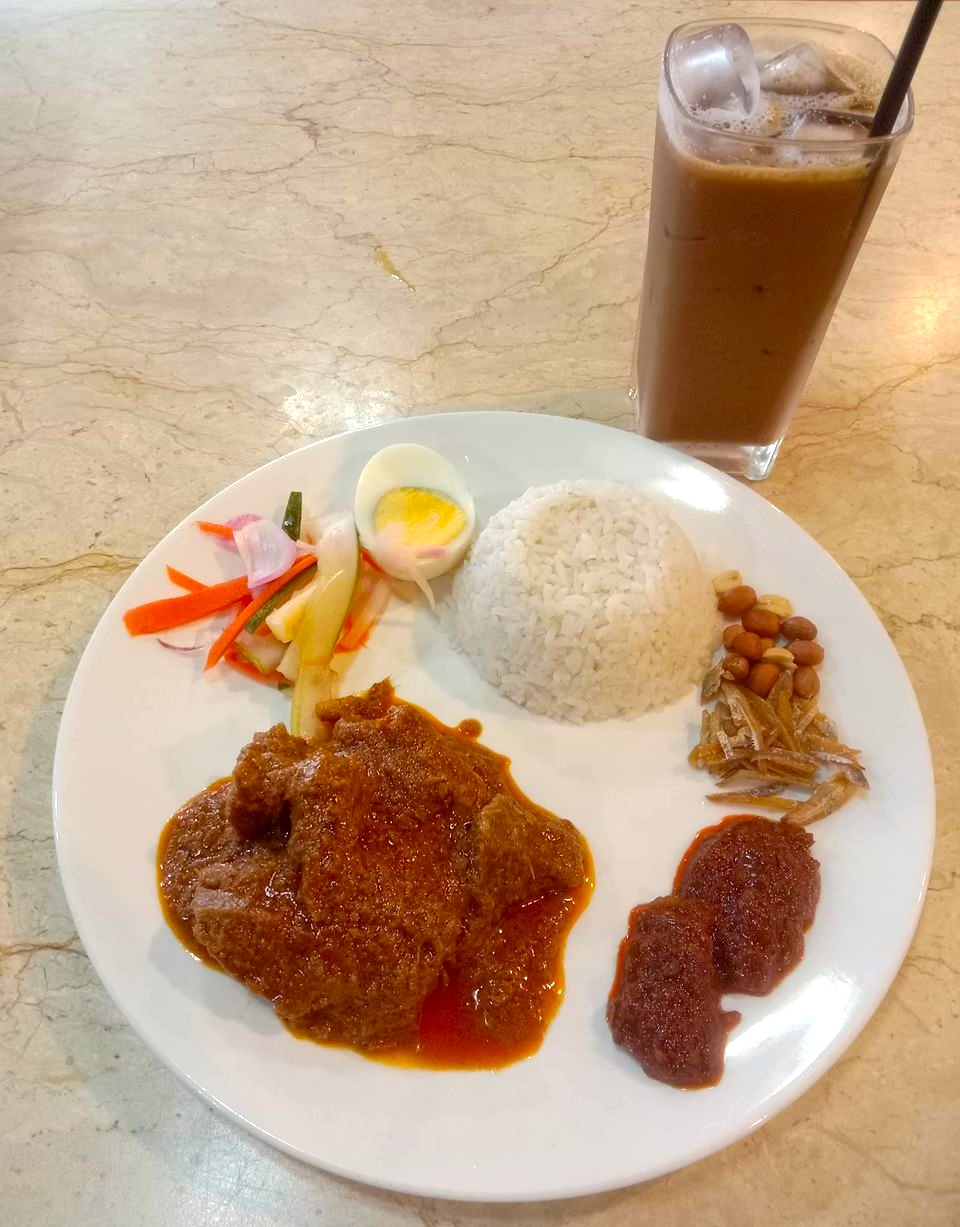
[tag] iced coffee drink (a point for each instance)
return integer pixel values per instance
(764, 183)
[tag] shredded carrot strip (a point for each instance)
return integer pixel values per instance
(215, 530)
(231, 658)
(352, 641)
(174, 611)
(369, 603)
(184, 581)
(369, 559)
(245, 614)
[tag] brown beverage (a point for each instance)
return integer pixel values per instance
(750, 242)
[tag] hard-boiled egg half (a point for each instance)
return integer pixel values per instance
(414, 512)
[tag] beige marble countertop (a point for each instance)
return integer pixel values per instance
(203, 202)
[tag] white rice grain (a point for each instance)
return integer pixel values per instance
(583, 601)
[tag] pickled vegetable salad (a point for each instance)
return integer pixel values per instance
(298, 603)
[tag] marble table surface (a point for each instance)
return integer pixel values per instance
(232, 227)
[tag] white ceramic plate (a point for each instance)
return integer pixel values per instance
(143, 729)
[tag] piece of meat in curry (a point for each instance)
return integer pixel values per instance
(356, 881)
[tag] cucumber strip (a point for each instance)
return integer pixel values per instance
(284, 620)
(293, 515)
(261, 652)
(289, 665)
(284, 594)
(322, 623)
(314, 685)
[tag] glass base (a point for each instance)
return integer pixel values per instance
(738, 459)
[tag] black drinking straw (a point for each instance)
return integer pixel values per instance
(904, 66)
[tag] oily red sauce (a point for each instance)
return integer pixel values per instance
(181, 931)
(450, 1034)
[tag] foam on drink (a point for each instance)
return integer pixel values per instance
(760, 201)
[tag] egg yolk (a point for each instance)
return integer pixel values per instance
(426, 517)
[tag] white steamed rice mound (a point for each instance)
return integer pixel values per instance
(584, 600)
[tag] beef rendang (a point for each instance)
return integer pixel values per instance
(386, 887)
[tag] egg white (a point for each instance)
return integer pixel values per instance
(411, 464)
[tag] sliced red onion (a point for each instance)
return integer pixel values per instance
(400, 560)
(265, 551)
(235, 522)
(200, 643)
(203, 636)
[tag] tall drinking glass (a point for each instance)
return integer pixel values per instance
(765, 181)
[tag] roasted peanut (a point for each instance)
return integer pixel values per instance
(806, 682)
(735, 601)
(778, 604)
(762, 622)
(730, 633)
(798, 628)
(766, 642)
(778, 656)
(727, 580)
(737, 666)
(806, 652)
(761, 679)
(747, 644)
